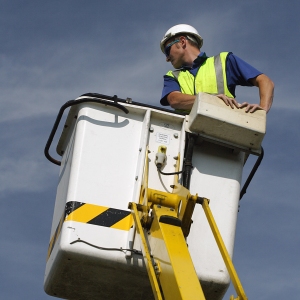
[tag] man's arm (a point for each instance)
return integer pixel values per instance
(177, 100)
(266, 93)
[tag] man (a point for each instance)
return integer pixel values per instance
(217, 75)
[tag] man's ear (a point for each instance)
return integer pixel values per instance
(183, 42)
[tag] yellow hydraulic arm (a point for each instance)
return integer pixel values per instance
(169, 265)
(225, 255)
(162, 228)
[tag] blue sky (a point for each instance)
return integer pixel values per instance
(54, 51)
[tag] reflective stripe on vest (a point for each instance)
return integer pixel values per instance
(210, 78)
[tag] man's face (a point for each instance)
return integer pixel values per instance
(174, 51)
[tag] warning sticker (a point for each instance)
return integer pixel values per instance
(163, 138)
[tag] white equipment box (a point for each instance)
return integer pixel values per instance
(211, 117)
(103, 153)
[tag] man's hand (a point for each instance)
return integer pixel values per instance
(250, 107)
(233, 103)
(229, 101)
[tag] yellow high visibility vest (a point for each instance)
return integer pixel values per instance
(210, 78)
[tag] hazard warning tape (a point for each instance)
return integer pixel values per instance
(94, 215)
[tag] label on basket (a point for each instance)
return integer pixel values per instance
(163, 138)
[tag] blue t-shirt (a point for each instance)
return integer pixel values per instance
(238, 72)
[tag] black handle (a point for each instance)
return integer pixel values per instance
(254, 169)
(76, 102)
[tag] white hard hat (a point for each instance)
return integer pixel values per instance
(184, 29)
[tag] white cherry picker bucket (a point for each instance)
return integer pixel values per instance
(93, 250)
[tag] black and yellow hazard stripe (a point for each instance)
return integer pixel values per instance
(94, 215)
